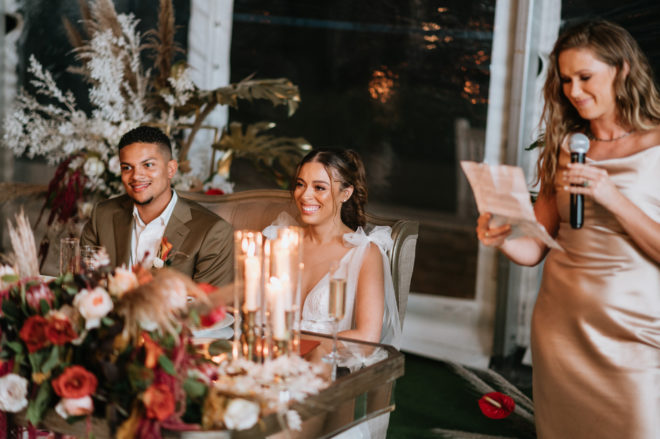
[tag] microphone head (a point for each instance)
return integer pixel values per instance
(579, 143)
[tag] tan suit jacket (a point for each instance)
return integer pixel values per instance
(202, 242)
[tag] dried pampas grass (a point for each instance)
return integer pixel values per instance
(159, 303)
(25, 249)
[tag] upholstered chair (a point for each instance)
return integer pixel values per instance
(256, 209)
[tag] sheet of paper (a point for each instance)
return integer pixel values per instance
(502, 191)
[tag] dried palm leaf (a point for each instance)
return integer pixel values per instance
(160, 302)
(11, 191)
(25, 249)
(279, 155)
(278, 91)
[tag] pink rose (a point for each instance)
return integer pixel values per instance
(121, 281)
(74, 406)
(93, 305)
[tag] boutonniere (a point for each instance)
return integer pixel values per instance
(163, 253)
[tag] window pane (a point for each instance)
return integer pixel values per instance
(389, 79)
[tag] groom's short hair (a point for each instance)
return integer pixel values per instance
(147, 134)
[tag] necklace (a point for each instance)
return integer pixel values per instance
(626, 134)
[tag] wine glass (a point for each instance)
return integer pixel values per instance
(336, 308)
(69, 255)
(92, 259)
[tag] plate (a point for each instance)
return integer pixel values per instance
(221, 330)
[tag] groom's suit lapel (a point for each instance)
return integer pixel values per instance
(177, 230)
(122, 221)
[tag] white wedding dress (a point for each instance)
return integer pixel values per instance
(315, 309)
(315, 316)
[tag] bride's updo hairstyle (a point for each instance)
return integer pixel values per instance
(345, 166)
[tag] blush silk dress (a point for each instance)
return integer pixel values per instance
(596, 322)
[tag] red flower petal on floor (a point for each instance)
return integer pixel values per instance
(496, 405)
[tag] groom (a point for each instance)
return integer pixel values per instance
(134, 226)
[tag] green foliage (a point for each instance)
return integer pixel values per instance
(277, 155)
(167, 365)
(37, 407)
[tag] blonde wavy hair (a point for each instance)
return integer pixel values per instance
(637, 98)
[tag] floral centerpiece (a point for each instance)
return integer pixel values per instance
(122, 351)
(124, 93)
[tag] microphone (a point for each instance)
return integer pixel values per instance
(579, 145)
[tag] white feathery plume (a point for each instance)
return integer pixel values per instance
(25, 250)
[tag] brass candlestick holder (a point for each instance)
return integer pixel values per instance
(250, 336)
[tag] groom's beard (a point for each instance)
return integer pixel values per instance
(142, 203)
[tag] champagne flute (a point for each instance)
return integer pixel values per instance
(336, 309)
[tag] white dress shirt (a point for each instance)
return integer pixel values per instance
(146, 238)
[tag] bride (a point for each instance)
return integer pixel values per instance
(330, 193)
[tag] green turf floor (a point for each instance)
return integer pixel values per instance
(430, 397)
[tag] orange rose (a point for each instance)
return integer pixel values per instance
(75, 382)
(165, 249)
(158, 401)
(153, 351)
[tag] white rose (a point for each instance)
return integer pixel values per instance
(158, 263)
(93, 167)
(121, 281)
(114, 165)
(241, 414)
(13, 393)
(93, 305)
(74, 406)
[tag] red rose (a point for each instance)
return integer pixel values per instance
(6, 366)
(158, 401)
(496, 405)
(207, 288)
(59, 330)
(214, 191)
(75, 382)
(33, 333)
(213, 317)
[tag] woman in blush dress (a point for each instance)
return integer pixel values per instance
(330, 193)
(596, 322)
